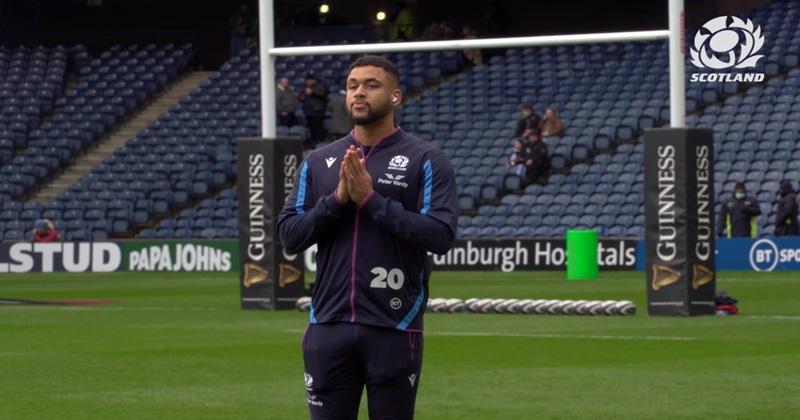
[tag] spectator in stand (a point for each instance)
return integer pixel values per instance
(402, 28)
(315, 103)
(287, 103)
(433, 31)
(518, 159)
(447, 31)
(550, 124)
(472, 55)
(529, 122)
(737, 218)
(495, 18)
(340, 118)
(538, 162)
(240, 26)
(251, 35)
(44, 231)
(786, 217)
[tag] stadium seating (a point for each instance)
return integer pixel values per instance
(31, 80)
(212, 218)
(174, 179)
(755, 131)
(109, 87)
(187, 155)
(226, 108)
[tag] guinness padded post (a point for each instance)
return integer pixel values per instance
(267, 171)
(679, 221)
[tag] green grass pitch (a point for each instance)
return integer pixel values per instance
(177, 346)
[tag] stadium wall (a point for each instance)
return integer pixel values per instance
(103, 257)
(749, 254)
(739, 254)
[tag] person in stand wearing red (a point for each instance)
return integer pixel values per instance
(44, 231)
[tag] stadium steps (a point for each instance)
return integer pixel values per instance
(118, 137)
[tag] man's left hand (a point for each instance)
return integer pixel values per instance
(359, 182)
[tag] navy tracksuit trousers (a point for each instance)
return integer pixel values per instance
(342, 358)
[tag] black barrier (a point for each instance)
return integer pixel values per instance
(679, 221)
(267, 171)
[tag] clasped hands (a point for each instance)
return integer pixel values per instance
(355, 183)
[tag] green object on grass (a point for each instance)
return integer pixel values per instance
(582, 255)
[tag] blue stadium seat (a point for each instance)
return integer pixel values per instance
(148, 234)
(616, 231)
(13, 235)
(488, 232)
(507, 232)
(471, 232)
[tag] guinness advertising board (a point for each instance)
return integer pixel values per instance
(267, 171)
(679, 221)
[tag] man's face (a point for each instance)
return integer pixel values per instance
(284, 82)
(525, 112)
(369, 94)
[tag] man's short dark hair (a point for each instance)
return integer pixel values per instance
(377, 61)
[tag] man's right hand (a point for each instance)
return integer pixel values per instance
(342, 195)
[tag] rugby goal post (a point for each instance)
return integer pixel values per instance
(677, 138)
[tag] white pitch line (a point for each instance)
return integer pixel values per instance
(567, 336)
(534, 335)
(750, 279)
(68, 307)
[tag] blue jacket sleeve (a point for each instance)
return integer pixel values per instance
(722, 222)
(433, 227)
(786, 207)
(304, 220)
(753, 208)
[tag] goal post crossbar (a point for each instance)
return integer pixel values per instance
(462, 44)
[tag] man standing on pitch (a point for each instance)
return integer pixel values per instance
(375, 202)
(738, 216)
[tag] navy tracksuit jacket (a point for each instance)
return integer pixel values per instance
(372, 264)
